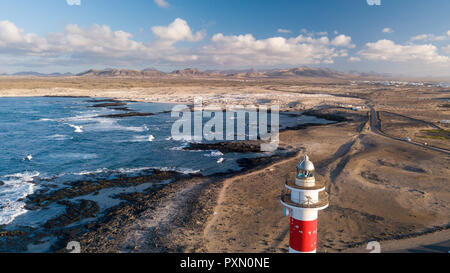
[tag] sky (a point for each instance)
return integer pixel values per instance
(399, 37)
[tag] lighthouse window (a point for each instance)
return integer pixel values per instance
(304, 174)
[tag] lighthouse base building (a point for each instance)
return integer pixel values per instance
(304, 199)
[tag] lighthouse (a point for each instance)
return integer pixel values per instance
(304, 198)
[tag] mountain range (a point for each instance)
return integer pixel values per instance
(193, 73)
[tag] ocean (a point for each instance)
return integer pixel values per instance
(47, 142)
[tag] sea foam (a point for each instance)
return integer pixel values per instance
(78, 129)
(17, 187)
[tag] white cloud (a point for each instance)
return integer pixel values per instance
(73, 2)
(162, 3)
(96, 39)
(13, 40)
(446, 49)
(419, 37)
(246, 50)
(282, 30)
(10, 33)
(428, 37)
(343, 40)
(386, 50)
(387, 30)
(101, 45)
(313, 33)
(178, 30)
(431, 37)
(96, 44)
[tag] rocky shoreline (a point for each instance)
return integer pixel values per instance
(199, 193)
(199, 198)
(70, 222)
(83, 220)
(69, 226)
(129, 114)
(228, 147)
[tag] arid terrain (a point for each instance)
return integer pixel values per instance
(385, 163)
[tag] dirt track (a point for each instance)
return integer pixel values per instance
(375, 127)
(372, 195)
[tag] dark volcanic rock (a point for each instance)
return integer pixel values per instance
(339, 117)
(337, 114)
(126, 109)
(228, 147)
(300, 126)
(414, 169)
(75, 212)
(112, 104)
(103, 100)
(260, 162)
(251, 163)
(69, 225)
(105, 234)
(12, 233)
(69, 97)
(125, 115)
(43, 198)
(132, 197)
(372, 177)
(386, 163)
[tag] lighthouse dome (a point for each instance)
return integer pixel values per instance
(306, 165)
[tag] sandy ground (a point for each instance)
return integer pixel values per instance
(436, 242)
(380, 189)
(395, 205)
(220, 96)
(220, 93)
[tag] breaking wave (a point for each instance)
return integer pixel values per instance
(16, 187)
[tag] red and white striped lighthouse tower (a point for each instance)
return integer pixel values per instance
(304, 199)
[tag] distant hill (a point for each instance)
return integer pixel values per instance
(29, 73)
(285, 73)
(193, 73)
(110, 73)
(306, 72)
(150, 72)
(36, 74)
(190, 72)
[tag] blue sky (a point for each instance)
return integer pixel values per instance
(410, 37)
